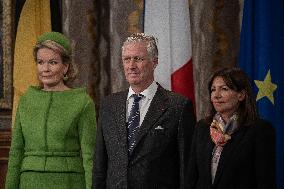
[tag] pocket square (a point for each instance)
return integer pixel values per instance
(159, 127)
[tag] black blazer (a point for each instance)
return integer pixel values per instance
(247, 160)
(160, 155)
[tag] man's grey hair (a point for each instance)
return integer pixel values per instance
(150, 40)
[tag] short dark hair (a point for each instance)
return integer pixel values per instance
(237, 80)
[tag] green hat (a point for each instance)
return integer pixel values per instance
(56, 37)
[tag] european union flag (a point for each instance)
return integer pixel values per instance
(262, 57)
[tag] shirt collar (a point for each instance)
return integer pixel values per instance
(148, 93)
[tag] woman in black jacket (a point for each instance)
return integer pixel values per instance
(232, 147)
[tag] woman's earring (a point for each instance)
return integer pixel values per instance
(65, 77)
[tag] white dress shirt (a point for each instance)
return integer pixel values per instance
(144, 103)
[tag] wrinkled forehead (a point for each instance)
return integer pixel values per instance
(135, 46)
(140, 43)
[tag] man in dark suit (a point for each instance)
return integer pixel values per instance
(144, 134)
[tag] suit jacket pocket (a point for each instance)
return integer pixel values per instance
(159, 136)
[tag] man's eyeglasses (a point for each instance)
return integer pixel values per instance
(136, 59)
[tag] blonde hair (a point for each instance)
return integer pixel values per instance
(65, 56)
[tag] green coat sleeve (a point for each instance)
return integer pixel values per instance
(16, 155)
(87, 136)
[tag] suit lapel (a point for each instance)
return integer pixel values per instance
(208, 148)
(155, 111)
(228, 152)
(120, 118)
(205, 149)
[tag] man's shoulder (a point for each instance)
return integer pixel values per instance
(117, 96)
(173, 96)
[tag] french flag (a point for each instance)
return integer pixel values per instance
(169, 22)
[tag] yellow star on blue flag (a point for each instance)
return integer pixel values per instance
(266, 88)
(262, 58)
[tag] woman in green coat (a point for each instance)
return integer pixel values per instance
(54, 133)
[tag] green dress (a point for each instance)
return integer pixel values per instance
(53, 141)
